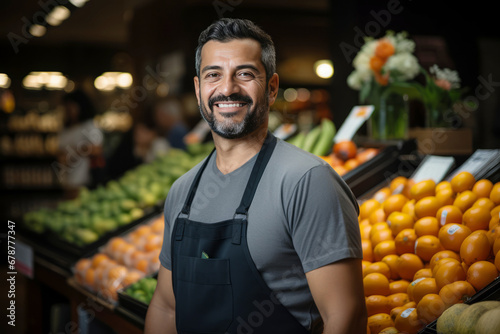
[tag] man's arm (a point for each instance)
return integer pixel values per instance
(161, 311)
(337, 290)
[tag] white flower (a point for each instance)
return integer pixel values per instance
(402, 66)
(447, 75)
(354, 80)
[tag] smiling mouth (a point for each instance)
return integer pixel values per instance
(229, 105)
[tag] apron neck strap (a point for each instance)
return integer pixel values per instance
(257, 171)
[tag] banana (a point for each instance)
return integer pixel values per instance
(298, 139)
(325, 141)
(311, 139)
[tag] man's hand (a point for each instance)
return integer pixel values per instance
(337, 290)
(161, 311)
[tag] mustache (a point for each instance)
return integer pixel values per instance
(230, 98)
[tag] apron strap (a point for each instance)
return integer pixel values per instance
(192, 190)
(257, 171)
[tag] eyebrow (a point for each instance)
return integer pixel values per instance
(239, 67)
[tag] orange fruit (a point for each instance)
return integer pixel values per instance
(378, 267)
(367, 207)
(426, 226)
(424, 287)
(378, 226)
(449, 214)
(497, 260)
(382, 194)
(424, 272)
(99, 259)
(364, 265)
(451, 236)
(495, 220)
(89, 277)
(142, 265)
(456, 292)
(366, 154)
(495, 193)
(395, 311)
(408, 264)
(132, 277)
(495, 211)
(345, 149)
(408, 321)
(443, 185)
(427, 207)
(399, 221)
(397, 184)
(438, 263)
(399, 286)
(117, 273)
(384, 248)
(430, 307)
(365, 229)
(411, 286)
(378, 322)
(462, 181)
(493, 234)
(449, 272)
(444, 254)
(465, 200)
(426, 246)
(380, 235)
(377, 304)
(367, 250)
(496, 245)
(376, 284)
(476, 218)
(391, 260)
(481, 273)
(476, 247)
(351, 164)
(82, 265)
(405, 241)
(377, 216)
(484, 202)
(423, 189)
(397, 299)
(407, 189)
(393, 203)
(482, 188)
(445, 197)
(409, 208)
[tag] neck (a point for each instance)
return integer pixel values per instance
(234, 153)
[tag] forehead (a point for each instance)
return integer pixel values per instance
(235, 51)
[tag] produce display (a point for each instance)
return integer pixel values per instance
(122, 261)
(481, 318)
(343, 156)
(142, 290)
(93, 213)
(426, 248)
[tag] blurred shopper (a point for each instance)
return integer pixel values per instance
(81, 160)
(169, 120)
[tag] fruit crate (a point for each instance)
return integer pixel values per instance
(133, 307)
(489, 292)
(53, 240)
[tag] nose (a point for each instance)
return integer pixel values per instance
(229, 86)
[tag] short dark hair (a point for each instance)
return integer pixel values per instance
(227, 29)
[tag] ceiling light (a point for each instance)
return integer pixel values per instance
(49, 80)
(124, 80)
(290, 94)
(4, 80)
(111, 80)
(57, 15)
(37, 30)
(323, 69)
(78, 3)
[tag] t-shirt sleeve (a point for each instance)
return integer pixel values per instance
(322, 213)
(165, 254)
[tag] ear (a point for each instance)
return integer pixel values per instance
(272, 88)
(197, 88)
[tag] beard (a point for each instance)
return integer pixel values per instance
(227, 127)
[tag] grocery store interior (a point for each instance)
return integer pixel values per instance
(84, 189)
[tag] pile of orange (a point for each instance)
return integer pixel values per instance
(427, 246)
(346, 155)
(122, 261)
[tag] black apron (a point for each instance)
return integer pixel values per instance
(217, 287)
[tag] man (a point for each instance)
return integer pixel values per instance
(261, 237)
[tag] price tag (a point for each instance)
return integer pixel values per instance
(433, 168)
(356, 118)
(24, 259)
(285, 130)
(478, 162)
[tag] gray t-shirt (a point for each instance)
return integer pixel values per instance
(303, 216)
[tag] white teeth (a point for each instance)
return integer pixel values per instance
(232, 105)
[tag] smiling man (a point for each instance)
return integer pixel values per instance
(261, 237)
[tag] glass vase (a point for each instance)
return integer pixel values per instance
(389, 120)
(438, 114)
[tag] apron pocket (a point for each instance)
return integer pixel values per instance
(204, 296)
